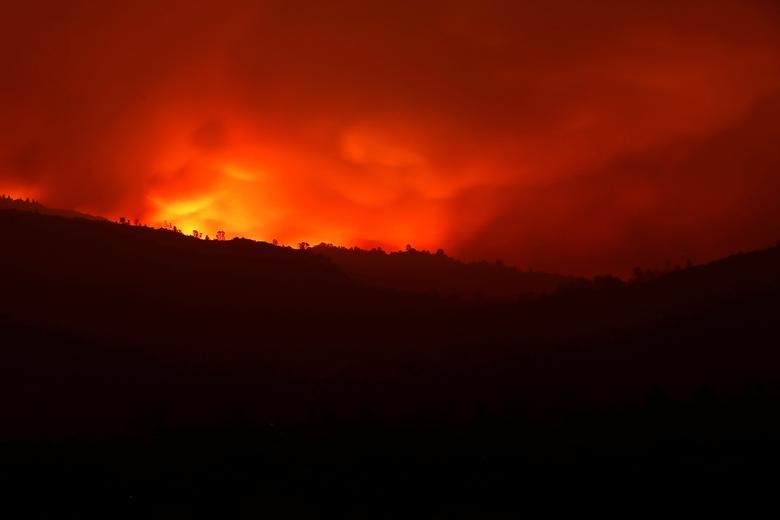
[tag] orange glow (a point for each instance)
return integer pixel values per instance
(558, 137)
(18, 191)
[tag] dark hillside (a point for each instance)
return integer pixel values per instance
(8, 203)
(421, 271)
(193, 373)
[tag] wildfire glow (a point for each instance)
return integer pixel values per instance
(548, 134)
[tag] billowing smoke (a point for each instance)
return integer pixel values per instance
(580, 137)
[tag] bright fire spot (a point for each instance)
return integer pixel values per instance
(184, 208)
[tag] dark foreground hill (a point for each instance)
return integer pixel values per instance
(147, 373)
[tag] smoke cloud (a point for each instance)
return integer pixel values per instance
(554, 135)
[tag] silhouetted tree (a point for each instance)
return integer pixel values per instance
(303, 246)
(220, 236)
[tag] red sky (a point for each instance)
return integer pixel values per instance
(569, 136)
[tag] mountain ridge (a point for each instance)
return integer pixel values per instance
(410, 270)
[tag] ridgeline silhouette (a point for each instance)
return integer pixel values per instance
(421, 271)
(247, 376)
(410, 270)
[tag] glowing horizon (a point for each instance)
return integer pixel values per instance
(552, 136)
